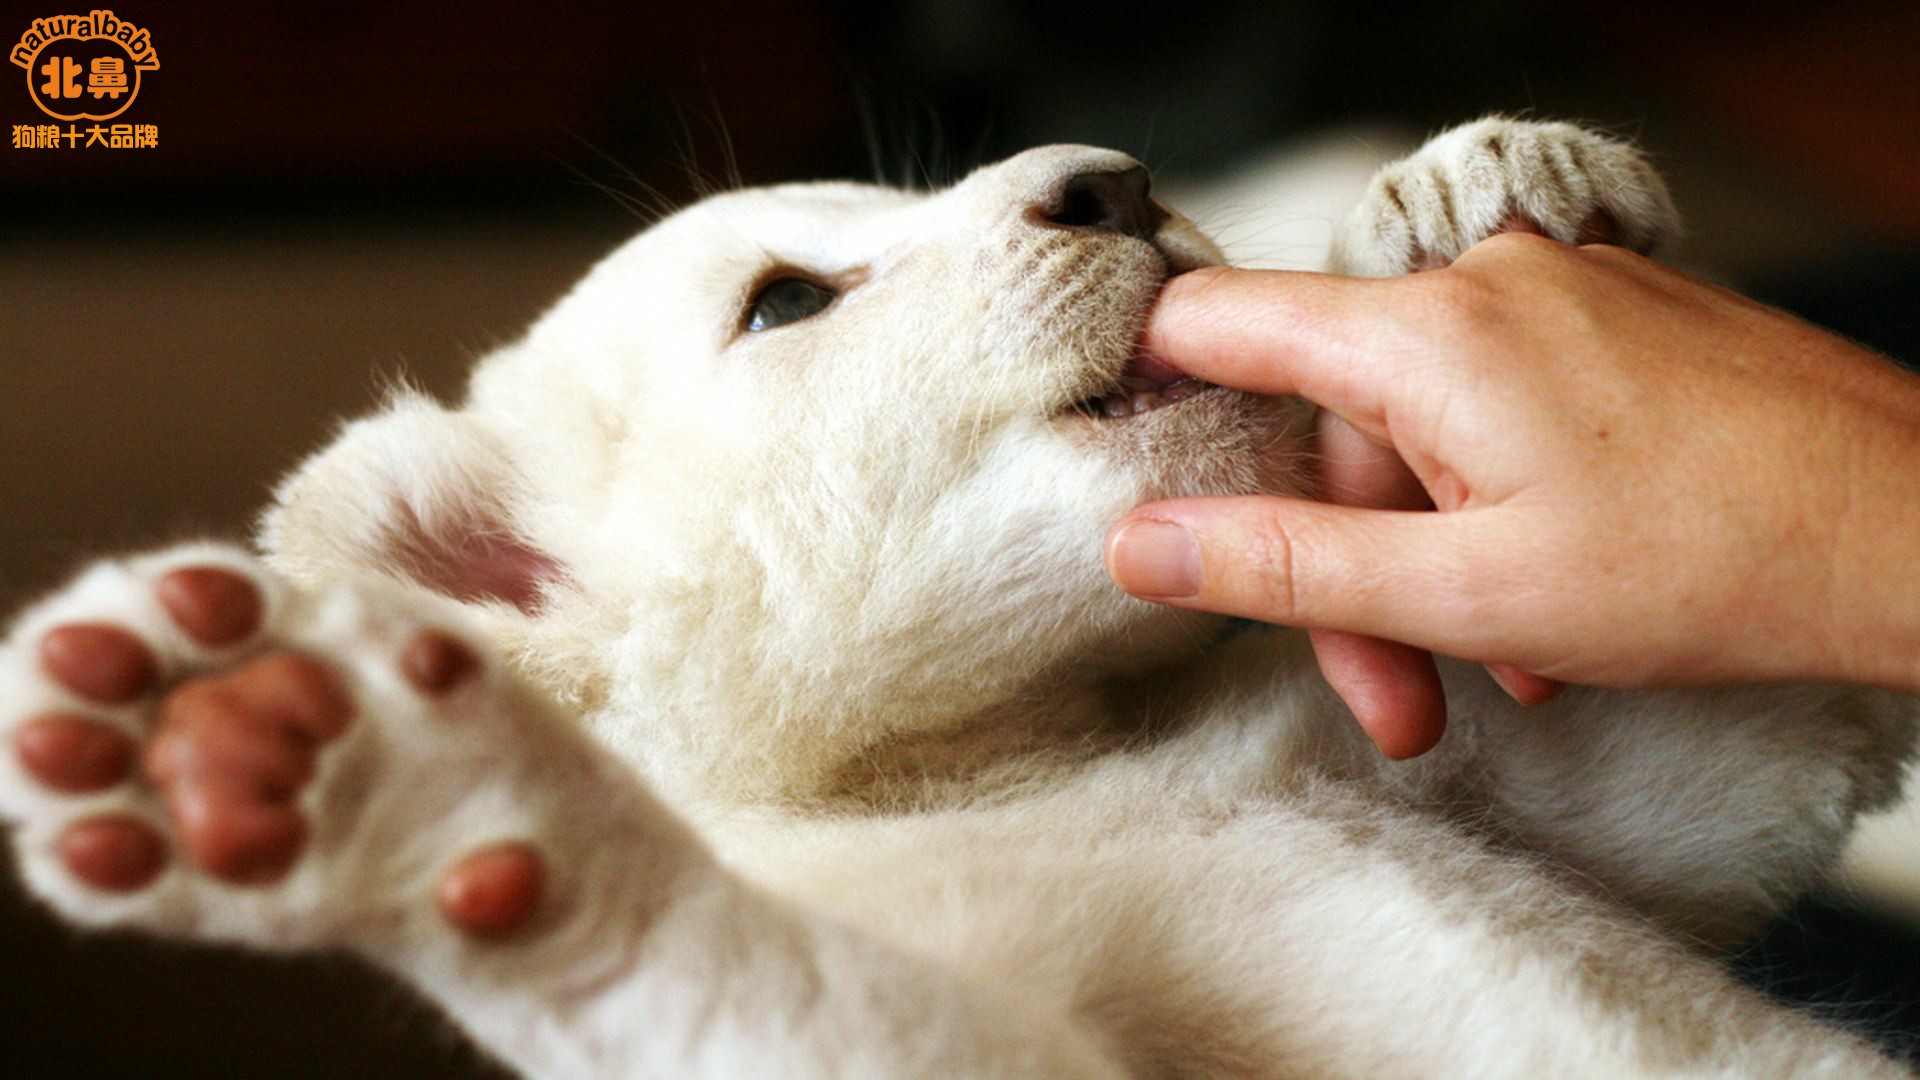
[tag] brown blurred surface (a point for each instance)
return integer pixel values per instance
(168, 377)
(1829, 92)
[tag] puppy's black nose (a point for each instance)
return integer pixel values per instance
(1107, 202)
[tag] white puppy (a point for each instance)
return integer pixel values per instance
(730, 687)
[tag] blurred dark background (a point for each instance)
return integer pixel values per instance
(346, 191)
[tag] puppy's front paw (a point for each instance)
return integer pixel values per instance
(1497, 175)
(191, 747)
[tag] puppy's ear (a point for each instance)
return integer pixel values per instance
(415, 492)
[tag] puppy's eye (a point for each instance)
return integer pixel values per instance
(786, 300)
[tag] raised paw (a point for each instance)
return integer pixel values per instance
(1497, 175)
(193, 747)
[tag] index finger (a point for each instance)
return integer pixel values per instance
(1282, 332)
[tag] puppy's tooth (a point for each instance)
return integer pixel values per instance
(1145, 400)
(1116, 407)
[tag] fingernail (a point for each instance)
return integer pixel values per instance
(1156, 560)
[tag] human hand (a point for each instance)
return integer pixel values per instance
(1642, 479)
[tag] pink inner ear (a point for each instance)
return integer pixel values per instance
(470, 555)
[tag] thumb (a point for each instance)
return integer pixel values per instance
(1415, 577)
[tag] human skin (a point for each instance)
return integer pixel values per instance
(1641, 480)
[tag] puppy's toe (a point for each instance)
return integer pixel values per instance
(99, 662)
(215, 607)
(72, 754)
(114, 853)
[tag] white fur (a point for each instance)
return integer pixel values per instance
(886, 778)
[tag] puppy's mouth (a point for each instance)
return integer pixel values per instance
(1149, 382)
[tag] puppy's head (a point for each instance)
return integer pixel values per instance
(807, 462)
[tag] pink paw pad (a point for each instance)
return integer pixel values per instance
(114, 853)
(494, 891)
(435, 663)
(99, 662)
(213, 607)
(72, 754)
(231, 754)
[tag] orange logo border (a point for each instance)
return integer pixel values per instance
(98, 23)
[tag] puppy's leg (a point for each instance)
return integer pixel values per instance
(1709, 811)
(1416, 954)
(195, 749)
